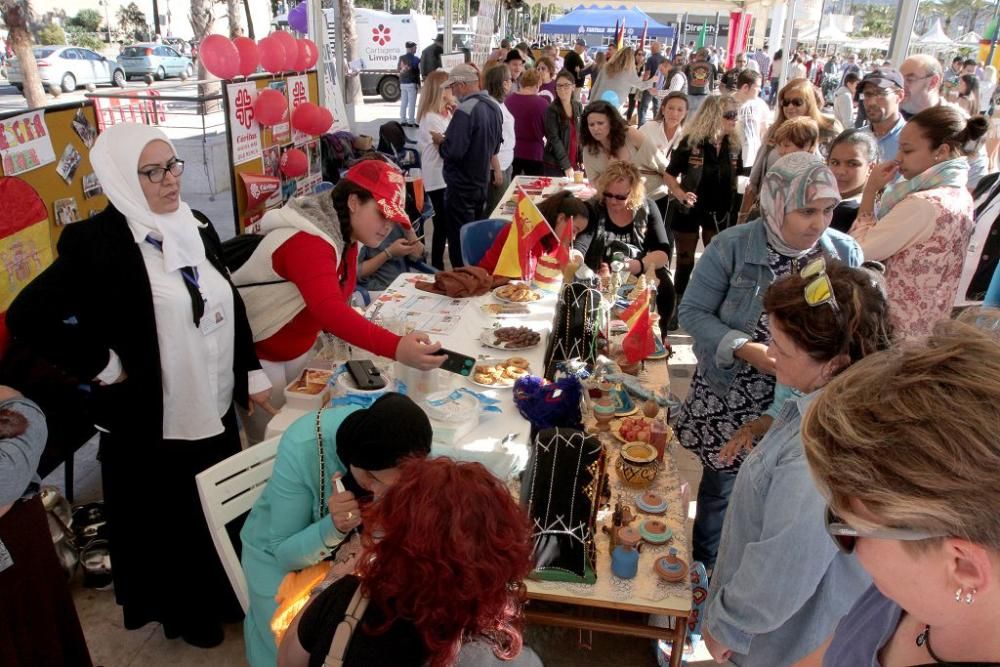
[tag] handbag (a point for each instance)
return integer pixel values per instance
(561, 493)
(345, 629)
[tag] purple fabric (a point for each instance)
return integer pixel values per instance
(529, 124)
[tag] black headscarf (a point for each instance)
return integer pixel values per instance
(377, 438)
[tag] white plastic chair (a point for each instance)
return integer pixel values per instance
(229, 489)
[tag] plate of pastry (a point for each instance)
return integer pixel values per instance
(505, 310)
(510, 338)
(516, 293)
(499, 373)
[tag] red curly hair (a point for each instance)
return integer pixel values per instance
(454, 548)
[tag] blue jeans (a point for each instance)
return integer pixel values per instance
(408, 103)
(713, 499)
(643, 101)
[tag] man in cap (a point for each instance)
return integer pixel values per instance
(409, 81)
(430, 58)
(515, 63)
(881, 93)
(473, 138)
(573, 62)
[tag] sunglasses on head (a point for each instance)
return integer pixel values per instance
(729, 115)
(609, 195)
(846, 537)
(795, 102)
(819, 290)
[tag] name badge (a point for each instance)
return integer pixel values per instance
(214, 317)
(6, 560)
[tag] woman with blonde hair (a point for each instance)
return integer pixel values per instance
(623, 219)
(702, 180)
(433, 115)
(796, 99)
(618, 76)
(903, 446)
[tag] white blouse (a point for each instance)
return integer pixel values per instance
(431, 163)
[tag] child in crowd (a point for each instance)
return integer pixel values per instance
(796, 134)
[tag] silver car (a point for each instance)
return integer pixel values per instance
(70, 67)
(157, 59)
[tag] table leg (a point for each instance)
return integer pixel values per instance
(680, 633)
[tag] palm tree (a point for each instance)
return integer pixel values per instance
(16, 14)
(975, 7)
(202, 19)
(949, 10)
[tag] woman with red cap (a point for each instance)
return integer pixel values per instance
(299, 280)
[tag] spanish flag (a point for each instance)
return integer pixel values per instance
(529, 228)
(638, 343)
(565, 243)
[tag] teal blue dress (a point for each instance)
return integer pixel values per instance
(284, 530)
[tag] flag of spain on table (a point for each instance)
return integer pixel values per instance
(529, 228)
(638, 343)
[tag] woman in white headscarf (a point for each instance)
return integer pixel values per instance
(723, 312)
(139, 306)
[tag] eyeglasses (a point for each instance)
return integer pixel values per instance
(913, 78)
(846, 537)
(795, 102)
(609, 195)
(156, 174)
(819, 290)
(564, 85)
(729, 115)
(880, 92)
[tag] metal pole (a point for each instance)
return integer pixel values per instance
(906, 15)
(715, 40)
(786, 46)
(819, 28)
(448, 18)
(317, 32)
(996, 29)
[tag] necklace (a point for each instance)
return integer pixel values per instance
(924, 639)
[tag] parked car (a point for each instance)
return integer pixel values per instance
(159, 60)
(179, 45)
(70, 67)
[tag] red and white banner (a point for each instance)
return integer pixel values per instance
(739, 36)
(245, 128)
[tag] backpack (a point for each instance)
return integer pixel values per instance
(238, 250)
(337, 151)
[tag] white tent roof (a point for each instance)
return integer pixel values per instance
(935, 35)
(831, 34)
(972, 38)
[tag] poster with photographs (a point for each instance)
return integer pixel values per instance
(84, 128)
(68, 163)
(315, 159)
(272, 167)
(65, 211)
(91, 186)
(282, 132)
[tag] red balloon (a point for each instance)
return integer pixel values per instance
(220, 56)
(270, 108)
(249, 58)
(289, 44)
(323, 122)
(294, 163)
(308, 54)
(272, 54)
(305, 117)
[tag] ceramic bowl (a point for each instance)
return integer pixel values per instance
(651, 502)
(655, 531)
(670, 569)
(629, 536)
(636, 464)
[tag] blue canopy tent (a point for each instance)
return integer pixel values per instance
(601, 22)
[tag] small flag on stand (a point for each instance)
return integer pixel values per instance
(527, 231)
(565, 243)
(702, 35)
(620, 34)
(638, 343)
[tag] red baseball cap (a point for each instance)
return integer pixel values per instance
(386, 183)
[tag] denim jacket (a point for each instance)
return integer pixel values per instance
(725, 297)
(780, 585)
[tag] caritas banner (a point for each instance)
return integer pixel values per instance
(739, 35)
(245, 129)
(259, 189)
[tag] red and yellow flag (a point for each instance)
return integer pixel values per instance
(528, 230)
(638, 343)
(561, 252)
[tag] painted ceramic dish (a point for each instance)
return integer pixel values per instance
(636, 465)
(670, 568)
(655, 531)
(632, 429)
(651, 502)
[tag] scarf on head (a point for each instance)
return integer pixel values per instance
(795, 181)
(379, 437)
(950, 173)
(115, 158)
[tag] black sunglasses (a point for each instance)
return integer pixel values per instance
(729, 115)
(846, 537)
(795, 102)
(608, 195)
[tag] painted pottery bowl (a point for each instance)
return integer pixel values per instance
(670, 568)
(651, 502)
(636, 465)
(629, 536)
(655, 531)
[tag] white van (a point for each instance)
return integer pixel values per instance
(382, 39)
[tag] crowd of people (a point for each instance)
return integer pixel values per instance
(844, 406)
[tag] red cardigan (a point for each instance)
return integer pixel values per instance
(311, 263)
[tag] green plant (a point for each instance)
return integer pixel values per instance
(132, 21)
(87, 39)
(87, 20)
(876, 21)
(51, 34)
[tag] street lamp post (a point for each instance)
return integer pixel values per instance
(107, 19)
